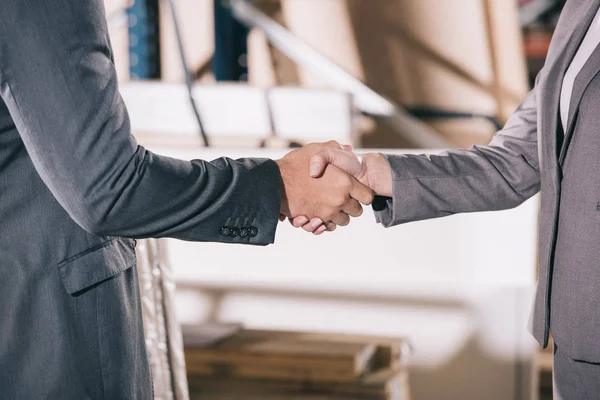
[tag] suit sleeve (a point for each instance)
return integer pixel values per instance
(498, 176)
(57, 78)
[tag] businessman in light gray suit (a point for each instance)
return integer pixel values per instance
(550, 144)
(76, 189)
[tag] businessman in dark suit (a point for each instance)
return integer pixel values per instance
(551, 143)
(76, 189)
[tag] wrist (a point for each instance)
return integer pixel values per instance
(379, 174)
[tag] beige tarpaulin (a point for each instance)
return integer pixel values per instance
(163, 333)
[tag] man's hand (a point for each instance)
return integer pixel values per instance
(332, 198)
(372, 170)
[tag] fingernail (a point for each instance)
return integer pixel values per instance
(316, 223)
(314, 169)
(302, 220)
(321, 230)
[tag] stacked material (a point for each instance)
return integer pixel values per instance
(274, 365)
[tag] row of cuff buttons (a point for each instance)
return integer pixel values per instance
(242, 232)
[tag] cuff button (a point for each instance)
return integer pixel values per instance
(234, 232)
(253, 231)
(225, 231)
(244, 232)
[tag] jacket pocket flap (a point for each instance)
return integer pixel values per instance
(97, 264)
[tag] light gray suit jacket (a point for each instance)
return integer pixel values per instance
(75, 188)
(527, 156)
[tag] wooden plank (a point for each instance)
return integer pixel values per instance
(282, 355)
(260, 396)
(385, 384)
(391, 352)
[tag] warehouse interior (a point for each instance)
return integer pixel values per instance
(419, 311)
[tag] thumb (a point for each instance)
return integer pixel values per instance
(342, 159)
(319, 161)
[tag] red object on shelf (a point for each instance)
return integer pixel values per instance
(537, 44)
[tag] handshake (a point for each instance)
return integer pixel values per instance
(324, 184)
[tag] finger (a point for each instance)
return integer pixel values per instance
(330, 226)
(313, 225)
(299, 221)
(320, 231)
(282, 217)
(340, 219)
(352, 208)
(342, 159)
(333, 144)
(361, 193)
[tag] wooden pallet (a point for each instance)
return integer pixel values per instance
(268, 365)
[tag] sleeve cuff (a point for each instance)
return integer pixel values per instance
(385, 214)
(268, 180)
(255, 217)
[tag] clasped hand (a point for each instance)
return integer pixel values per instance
(324, 184)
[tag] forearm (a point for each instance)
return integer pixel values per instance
(112, 187)
(157, 196)
(459, 181)
(498, 176)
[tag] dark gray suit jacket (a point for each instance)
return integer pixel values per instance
(73, 185)
(527, 156)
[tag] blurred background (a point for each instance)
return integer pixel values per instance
(413, 312)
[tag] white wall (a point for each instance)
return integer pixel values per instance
(459, 288)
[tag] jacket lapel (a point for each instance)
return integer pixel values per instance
(582, 81)
(583, 16)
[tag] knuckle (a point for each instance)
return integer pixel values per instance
(344, 183)
(331, 155)
(326, 156)
(340, 200)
